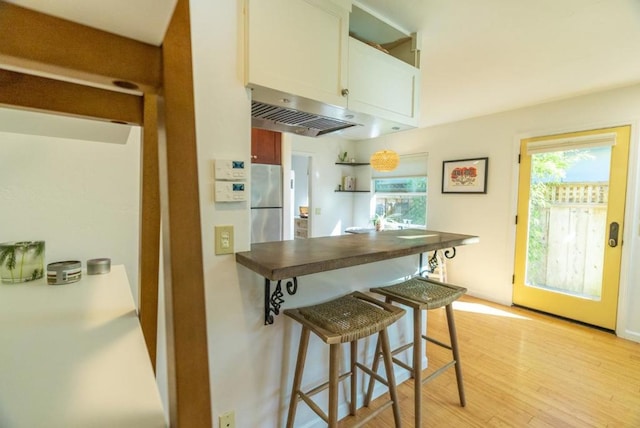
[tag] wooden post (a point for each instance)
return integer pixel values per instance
(189, 396)
(149, 258)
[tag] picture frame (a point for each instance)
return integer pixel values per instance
(465, 175)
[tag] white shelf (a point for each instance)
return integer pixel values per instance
(73, 355)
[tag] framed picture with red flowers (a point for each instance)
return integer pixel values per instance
(465, 175)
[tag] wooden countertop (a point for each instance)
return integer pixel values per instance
(288, 259)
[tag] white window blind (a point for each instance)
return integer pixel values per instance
(411, 165)
(571, 143)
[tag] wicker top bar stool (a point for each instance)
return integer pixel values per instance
(423, 294)
(344, 319)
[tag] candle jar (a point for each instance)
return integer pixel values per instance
(21, 261)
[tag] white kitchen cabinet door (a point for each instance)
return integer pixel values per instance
(298, 47)
(381, 85)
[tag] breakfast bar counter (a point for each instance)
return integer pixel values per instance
(287, 259)
(280, 260)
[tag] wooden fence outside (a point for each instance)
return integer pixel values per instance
(578, 193)
(573, 226)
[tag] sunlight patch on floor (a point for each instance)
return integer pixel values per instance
(484, 309)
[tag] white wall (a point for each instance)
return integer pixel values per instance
(486, 268)
(300, 165)
(252, 364)
(80, 197)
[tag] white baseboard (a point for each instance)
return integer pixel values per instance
(630, 335)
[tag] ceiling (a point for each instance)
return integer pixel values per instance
(121, 17)
(478, 57)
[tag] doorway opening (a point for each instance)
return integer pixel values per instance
(301, 195)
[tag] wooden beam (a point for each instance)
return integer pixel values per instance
(31, 40)
(149, 257)
(39, 93)
(187, 352)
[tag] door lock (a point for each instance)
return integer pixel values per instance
(613, 234)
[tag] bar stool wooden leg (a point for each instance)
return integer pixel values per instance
(456, 353)
(374, 368)
(297, 378)
(334, 352)
(354, 377)
(391, 378)
(417, 365)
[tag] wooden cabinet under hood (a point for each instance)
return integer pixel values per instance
(266, 146)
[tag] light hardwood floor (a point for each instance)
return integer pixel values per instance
(525, 369)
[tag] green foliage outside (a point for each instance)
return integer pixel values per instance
(398, 207)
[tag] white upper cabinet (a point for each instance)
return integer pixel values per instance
(381, 85)
(298, 47)
(335, 59)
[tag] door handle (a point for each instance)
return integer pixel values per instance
(613, 234)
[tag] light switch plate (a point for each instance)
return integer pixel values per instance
(224, 239)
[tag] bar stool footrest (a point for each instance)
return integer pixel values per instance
(437, 342)
(401, 348)
(402, 364)
(438, 372)
(373, 414)
(313, 406)
(325, 385)
(371, 373)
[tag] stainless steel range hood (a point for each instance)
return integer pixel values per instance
(279, 111)
(283, 119)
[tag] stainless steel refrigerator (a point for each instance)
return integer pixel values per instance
(266, 203)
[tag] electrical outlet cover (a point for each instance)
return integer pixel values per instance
(227, 420)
